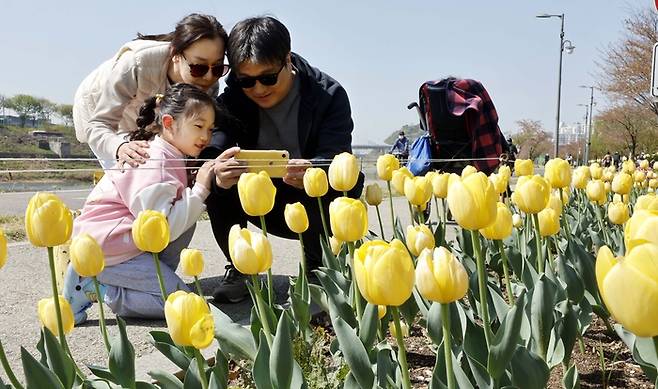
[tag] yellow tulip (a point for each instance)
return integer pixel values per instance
(189, 320)
(3, 249)
(499, 182)
(151, 231)
(48, 221)
(532, 194)
(523, 167)
(348, 219)
(418, 238)
(555, 203)
(644, 164)
(373, 194)
(639, 176)
(641, 228)
(653, 183)
(384, 272)
(608, 175)
(517, 221)
(440, 276)
(468, 170)
(628, 166)
(251, 253)
(622, 183)
(549, 222)
(558, 173)
(296, 217)
(386, 164)
(257, 193)
(607, 187)
(505, 171)
(629, 287)
(191, 262)
(418, 190)
(647, 201)
(315, 182)
(472, 201)
(580, 177)
(87, 257)
(440, 185)
(336, 245)
(404, 328)
(399, 177)
(502, 227)
(618, 213)
(48, 315)
(430, 175)
(596, 192)
(617, 198)
(381, 311)
(595, 171)
(343, 172)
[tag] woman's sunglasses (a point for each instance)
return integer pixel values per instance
(198, 70)
(265, 79)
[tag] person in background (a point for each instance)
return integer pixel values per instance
(401, 147)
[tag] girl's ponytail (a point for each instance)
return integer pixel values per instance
(145, 120)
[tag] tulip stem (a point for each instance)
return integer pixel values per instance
(540, 253)
(198, 286)
(655, 343)
(606, 239)
(8, 370)
(303, 261)
(202, 369)
(261, 310)
(504, 260)
(324, 222)
(381, 226)
(270, 288)
(565, 219)
(447, 348)
(102, 314)
(402, 353)
(411, 213)
(58, 310)
(390, 202)
(421, 216)
(482, 284)
(163, 291)
(355, 289)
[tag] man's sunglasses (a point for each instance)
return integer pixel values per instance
(198, 70)
(265, 79)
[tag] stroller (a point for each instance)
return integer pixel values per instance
(461, 127)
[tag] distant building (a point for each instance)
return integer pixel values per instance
(573, 133)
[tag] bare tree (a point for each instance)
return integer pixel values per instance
(531, 139)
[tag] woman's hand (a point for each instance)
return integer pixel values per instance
(227, 169)
(133, 153)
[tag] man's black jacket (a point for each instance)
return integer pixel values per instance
(324, 123)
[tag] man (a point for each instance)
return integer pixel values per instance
(284, 103)
(401, 146)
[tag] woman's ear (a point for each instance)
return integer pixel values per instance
(167, 121)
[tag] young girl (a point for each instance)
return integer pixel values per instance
(107, 101)
(179, 124)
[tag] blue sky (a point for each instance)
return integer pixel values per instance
(380, 51)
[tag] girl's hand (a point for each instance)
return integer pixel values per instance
(205, 174)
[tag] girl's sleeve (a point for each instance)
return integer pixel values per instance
(181, 214)
(116, 94)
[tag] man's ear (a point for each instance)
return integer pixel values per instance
(289, 59)
(167, 121)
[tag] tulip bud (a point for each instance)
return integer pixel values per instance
(655, 165)
(48, 315)
(499, 182)
(348, 219)
(440, 185)
(189, 320)
(257, 193)
(315, 182)
(580, 177)
(622, 183)
(296, 217)
(505, 171)
(555, 203)
(641, 228)
(502, 227)
(628, 166)
(618, 213)
(653, 183)
(607, 176)
(386, 164)
(468, 170)
(517, 222)
(472, 201)
(384, 272)
(644, 164)
(48, 221)
(418, 190)
(596, 192)
(191, 262)
(648, 202)
(639, 176)
(403, 327)
(373, 194)
(440, 276)
(381, 311)
(399, 177)
(549, 222)
(336, 245)
(558, 173)
(343, 172)
(251, 253)
(532, 194)
(150, 231)
(87, 256)
(523, 167)
(418, 238)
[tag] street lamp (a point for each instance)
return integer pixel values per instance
(589, 127)
(587, 124)
(565, 45)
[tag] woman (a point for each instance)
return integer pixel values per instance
(107, 102)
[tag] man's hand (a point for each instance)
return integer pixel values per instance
(227, 169)
(133, 153)
(295, 174)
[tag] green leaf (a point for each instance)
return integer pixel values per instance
(571, 379)
(58, 360)
(475, 344)
(338, 305)
(165, 379)
(505, 341)
(421, 303)
(261, 368)
(122, 358)
(567, 328)
(369, 324)
(328, 258)
(41, 347)
(409, 310)
(38, 376)
(163, 342)
(541, 315)
(219, 375)
(232, 337)
(145, 385)
(385, 366)
(192, 377)
(528, 370)
(101, 372)
(583, 262)
(575, 286)
(355, 353)
(281, 359)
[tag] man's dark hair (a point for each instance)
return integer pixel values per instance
(262, 40)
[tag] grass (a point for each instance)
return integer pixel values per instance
(13, 227)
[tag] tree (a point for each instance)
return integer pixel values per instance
(628, 128)
(26, 106)
(531, 139)
(45, 110)
(65, 111)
